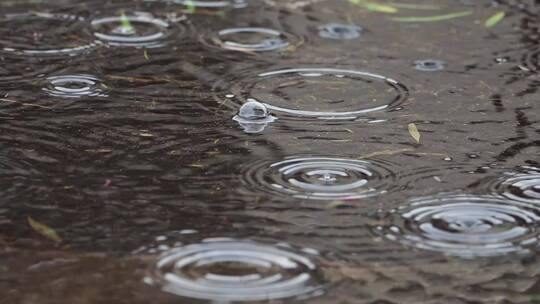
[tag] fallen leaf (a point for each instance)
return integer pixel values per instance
(493, 20)
(433, 18)
(44, 230)
(413, 130)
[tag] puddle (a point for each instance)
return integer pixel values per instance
(400, 140)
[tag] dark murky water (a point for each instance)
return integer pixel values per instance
(265, 151)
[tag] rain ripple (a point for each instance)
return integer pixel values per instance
(464, 225)
(296, 94)
(320, 178)
(75, 86)
(143, 31)
(64, 34)
(253, 39)
(224, 270)
(522, 186)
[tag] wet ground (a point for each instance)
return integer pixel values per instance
(269, 151)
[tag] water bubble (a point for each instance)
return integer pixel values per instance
(297, 93)
(228, 270)
(44, 34)
(145, 31)
(320, 178)
(340, 31)
(429, 65)
(253, 116)
(522, 187)
(465, 225)
(74, 86)
(253, 39)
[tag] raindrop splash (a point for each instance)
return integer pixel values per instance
(464, 225)
(227, 270)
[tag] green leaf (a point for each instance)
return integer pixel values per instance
(126, 24)
(493, 20)
(412, 6)
(413, 130)
(44, 230)
(375, 7)
(433, 18)
(191, 7)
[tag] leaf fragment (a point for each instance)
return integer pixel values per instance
(433, 18)
(494, 19)
(375, 7)
(44, 230)
(126, 24)
(413, 130)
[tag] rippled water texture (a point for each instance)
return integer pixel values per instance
(467, 226)
(231, 270)
(269, 151)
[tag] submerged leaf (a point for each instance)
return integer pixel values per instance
(126, 24)
(375, 7)
(413, 130)
(44, 230)
(416, 6)
(433, 18)
(191, 7)
(493, 20)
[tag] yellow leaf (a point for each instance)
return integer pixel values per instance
(375, 7)
(413, 130)
(44, 230)
(493, 20)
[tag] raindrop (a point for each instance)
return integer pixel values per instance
(429, 65)
(253, 116)
(465, 225)
(228, 270)
(340, 31)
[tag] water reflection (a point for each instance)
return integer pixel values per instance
(465, 225)
(228, 270)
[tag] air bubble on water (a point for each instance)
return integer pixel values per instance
(253, 116)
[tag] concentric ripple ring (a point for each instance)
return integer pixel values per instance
(74, 86)
(235, 270)
(521, 187)
(319, 178)
(147, 31)
(465, 225)
(61, 35)
(270, 40)
(297, 93)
